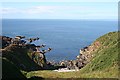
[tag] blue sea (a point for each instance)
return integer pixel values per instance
(66, 37)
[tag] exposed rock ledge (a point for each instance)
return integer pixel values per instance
(85, 56)
(81, 60)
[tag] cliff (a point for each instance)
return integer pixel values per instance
(100, 54)
(98, 60)
(86, 54)
(19, 54)
(103, 56)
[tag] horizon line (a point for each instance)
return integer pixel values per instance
(56, 19)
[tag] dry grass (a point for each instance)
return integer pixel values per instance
(107, 73)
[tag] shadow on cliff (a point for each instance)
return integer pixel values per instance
(19, 57)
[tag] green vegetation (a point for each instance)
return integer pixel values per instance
(13, 61)
(19, 57)
(107, 55)
(9, 69)
(103, 65)
(107, 73)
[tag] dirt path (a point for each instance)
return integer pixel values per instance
(65, 70)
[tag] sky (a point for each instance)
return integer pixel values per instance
(59, 9)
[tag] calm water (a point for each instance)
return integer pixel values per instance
(66, 37)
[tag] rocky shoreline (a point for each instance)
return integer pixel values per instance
(84, 57)
(38, 56)
(20, 45)
(98, 59)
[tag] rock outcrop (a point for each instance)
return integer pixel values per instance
(85, 56)
(23, 54)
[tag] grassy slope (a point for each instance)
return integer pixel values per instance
(103, 65)
(14, 72)
(11, 60)
(19, 56)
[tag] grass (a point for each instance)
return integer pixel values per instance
(107, 73)
(11, 72)
(103, 65)
(106, 57)
(19, 56)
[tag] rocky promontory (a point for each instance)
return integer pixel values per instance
(21, 53)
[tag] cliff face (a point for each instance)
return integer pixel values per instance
(99, 58)
(86, 54)
(103, 54)
(21, 55)
(18, 55)
(4, 41)
(98, 52)
(102, 58)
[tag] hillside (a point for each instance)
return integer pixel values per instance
(105, 60)
(14, 60)
(107, 54)
(103, 64)
(19, 56)
(10, 71)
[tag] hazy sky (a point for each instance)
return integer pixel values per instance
(60, 9)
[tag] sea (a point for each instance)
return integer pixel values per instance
(65, 36)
